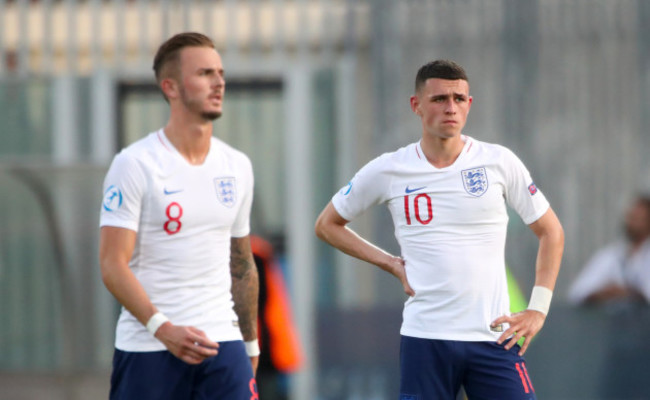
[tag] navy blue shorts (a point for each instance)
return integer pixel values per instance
(160, 375)
(436, 369)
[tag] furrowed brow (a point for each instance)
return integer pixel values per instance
(440, 96)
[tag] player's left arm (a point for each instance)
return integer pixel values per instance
(529, 322)
(245, 289)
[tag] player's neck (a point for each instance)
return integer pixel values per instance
(191, 140)
(442, 152)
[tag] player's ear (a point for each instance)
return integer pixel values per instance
(169, 87)
(415, 105)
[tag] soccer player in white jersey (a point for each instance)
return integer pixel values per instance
(174, 245)
(447, 194)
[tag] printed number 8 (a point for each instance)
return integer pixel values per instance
(173, 224)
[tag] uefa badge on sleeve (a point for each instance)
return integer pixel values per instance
(532, 189)
(226, 190)
(112, 198)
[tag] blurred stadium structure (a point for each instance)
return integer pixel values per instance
(316, 88)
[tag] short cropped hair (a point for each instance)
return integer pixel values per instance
(167, 58)
(441, 69)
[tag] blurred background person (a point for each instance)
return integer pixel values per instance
(281, 349)
(619, 272)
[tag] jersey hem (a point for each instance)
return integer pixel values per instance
(537, 216)
(118, 224)
(472, 337)
(158, 346)
(240, 234)
(338, 210)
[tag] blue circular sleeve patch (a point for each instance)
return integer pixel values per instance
(112, 198)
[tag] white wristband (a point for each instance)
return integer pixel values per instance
(540, 299)
(252, 348)
(155, 321)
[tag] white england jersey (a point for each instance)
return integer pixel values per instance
(184, 216)
(451, 226)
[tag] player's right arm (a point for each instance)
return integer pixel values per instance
(332, 228)
(115, 249)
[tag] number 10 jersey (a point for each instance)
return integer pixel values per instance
(451, 226)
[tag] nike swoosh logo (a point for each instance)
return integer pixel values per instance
(409, 190)
(171, 191)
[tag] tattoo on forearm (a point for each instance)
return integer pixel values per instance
(245, 286)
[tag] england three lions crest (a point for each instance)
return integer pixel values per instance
(475, 181)
(226, 190)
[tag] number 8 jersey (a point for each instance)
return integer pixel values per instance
(184, 216)
(451, 225)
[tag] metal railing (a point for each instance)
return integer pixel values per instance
(46, 37)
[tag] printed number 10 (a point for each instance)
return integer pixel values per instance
(419, 202)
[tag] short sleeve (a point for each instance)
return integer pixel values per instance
(124, 185)
(241, 226)
(366, 189)
(521, 192)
